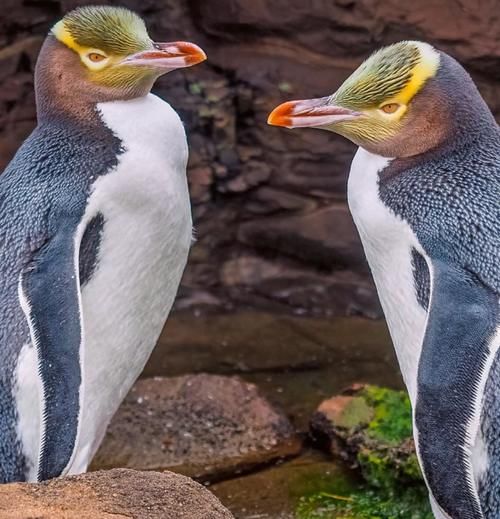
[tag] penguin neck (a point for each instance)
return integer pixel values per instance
(470, 117)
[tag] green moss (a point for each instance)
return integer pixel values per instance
(393, 487)
(377, 468)
(321, 482)
(392, 423)
(410, 503)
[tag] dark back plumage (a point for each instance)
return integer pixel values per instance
(44, 187)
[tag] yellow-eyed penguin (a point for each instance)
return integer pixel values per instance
(424, 192)
(95, 228)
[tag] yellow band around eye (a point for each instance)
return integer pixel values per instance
(64, 36)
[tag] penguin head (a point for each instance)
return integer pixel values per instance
(104, 53)
(400, 102)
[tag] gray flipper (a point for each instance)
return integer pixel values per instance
(462, 320)
(50, 295)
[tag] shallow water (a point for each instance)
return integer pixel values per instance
(273, 493)
(296, 362)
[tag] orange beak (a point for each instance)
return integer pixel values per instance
(168, 56)
(309, 113)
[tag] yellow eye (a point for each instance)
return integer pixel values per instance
(390, 108)
(95, 57)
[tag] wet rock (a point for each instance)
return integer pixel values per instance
(371, 427)
(116, 494)
(204, 426)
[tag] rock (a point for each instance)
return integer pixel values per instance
(371, 427)
(204, 426)
(113, 494)
(249, 270)
(325, 238)
(11, 56)
(200, 179)
(268, 200)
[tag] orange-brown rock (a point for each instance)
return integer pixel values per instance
(113, 494)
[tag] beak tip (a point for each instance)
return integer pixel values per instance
(270, 120)
(281, 115)
(199, 56)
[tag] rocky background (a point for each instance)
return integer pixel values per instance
(273, 229)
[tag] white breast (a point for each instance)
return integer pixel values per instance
(143, 250)
(388, 241)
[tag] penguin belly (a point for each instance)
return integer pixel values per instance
(145, 239)
(389, 244)
(144, 234)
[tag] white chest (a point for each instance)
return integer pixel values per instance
(388, 242)
(143, 250)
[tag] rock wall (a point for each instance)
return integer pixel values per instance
(272, 225)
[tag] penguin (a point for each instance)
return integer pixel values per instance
(95, 229)
(424, 192)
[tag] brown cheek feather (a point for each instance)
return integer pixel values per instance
(64, 85)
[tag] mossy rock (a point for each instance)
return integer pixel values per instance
(371, 427)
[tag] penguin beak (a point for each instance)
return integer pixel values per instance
(309, 113)
(168, 56)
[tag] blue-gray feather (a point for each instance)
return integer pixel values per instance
(43, 194)
(451, 199)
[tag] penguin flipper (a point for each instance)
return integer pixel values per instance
(454, 363)
(50, 296)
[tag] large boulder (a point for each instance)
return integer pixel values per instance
(113, 494)
(204, 426)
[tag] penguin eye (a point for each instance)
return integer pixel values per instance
(390, 108)
(95, 57)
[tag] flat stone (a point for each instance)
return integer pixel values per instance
(204, 426)
(326, 237)
(268, 200)
(113, 494)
